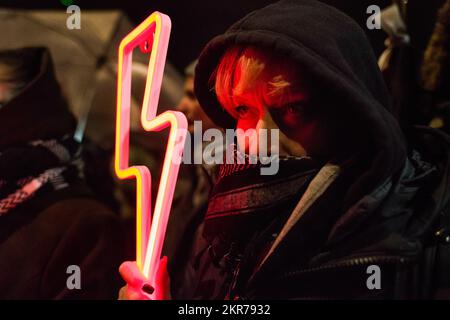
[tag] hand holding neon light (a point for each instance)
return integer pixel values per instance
(139, 288)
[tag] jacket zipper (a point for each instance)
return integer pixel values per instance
(347, 263)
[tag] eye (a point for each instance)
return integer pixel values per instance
(294, 109)
(242, 111)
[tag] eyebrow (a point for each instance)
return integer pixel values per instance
(295, 100)
(244, 100)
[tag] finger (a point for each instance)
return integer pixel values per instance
(131, 274)
(122, 293)
(162, 275)
(163, 280)
(137, 294)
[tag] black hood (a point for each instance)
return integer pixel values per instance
(40, 110)
(336, 54)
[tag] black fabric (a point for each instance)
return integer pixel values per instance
(338, 57)
(44, 112)
(41, 238)
(400, 229)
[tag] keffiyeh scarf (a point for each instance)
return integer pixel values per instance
(38, 166)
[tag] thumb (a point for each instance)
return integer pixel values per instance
(137, 287)
(162, 280)
(131, 274)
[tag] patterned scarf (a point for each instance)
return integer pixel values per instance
(38, 166)
(245, 212)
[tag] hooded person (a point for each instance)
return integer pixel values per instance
(352, 193)
(56, 240)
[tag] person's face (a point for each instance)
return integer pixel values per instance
(191, 108)
(303, 126)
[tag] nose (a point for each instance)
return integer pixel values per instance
(263, 140)
(266, 122)
(268, 135)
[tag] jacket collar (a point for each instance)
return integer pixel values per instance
(315, 189)
(382, 222)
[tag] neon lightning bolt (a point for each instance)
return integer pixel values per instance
(152, 35)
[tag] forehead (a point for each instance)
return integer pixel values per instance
(266, 94)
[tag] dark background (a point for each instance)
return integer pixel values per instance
(195, 22)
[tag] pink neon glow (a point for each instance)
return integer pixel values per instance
(152, 35)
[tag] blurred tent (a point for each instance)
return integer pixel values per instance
(86, 64)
